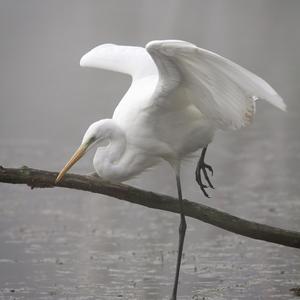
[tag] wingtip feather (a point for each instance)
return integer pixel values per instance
(278, 102)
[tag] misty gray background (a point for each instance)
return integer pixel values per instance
(64, 244)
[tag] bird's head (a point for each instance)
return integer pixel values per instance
(97, 132)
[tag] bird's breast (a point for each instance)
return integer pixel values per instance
(132, 163)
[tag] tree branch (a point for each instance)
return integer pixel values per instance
(45, 179)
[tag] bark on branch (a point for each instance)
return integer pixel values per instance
(45, 179)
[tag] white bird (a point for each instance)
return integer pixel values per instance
(179, 96)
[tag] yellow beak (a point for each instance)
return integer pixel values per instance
(76, 156)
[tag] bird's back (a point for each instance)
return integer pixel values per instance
(152, 126)
(180, 94)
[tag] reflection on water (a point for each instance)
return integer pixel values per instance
(64, 244)
(57, 244)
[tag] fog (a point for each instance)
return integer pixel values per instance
(64, 244)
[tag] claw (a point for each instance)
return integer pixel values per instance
(202, 166)
(204, 192)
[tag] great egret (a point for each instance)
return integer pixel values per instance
(179, 96)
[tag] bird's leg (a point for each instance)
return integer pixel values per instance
(202, 166)
(182, 230)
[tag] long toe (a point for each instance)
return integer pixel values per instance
(204, 192)
(202, 185)
(201, 170)
(206, 175)
(209, 167)
(199, 179)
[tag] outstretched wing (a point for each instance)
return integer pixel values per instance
(134, 61)
(221, 89)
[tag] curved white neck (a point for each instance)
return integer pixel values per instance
(107, 158)
(116, 147)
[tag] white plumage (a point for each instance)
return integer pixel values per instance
(179, 96)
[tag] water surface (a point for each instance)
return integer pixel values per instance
(64, 244)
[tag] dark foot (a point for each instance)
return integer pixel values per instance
(202, 170)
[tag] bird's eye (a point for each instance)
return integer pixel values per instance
(92, 140)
